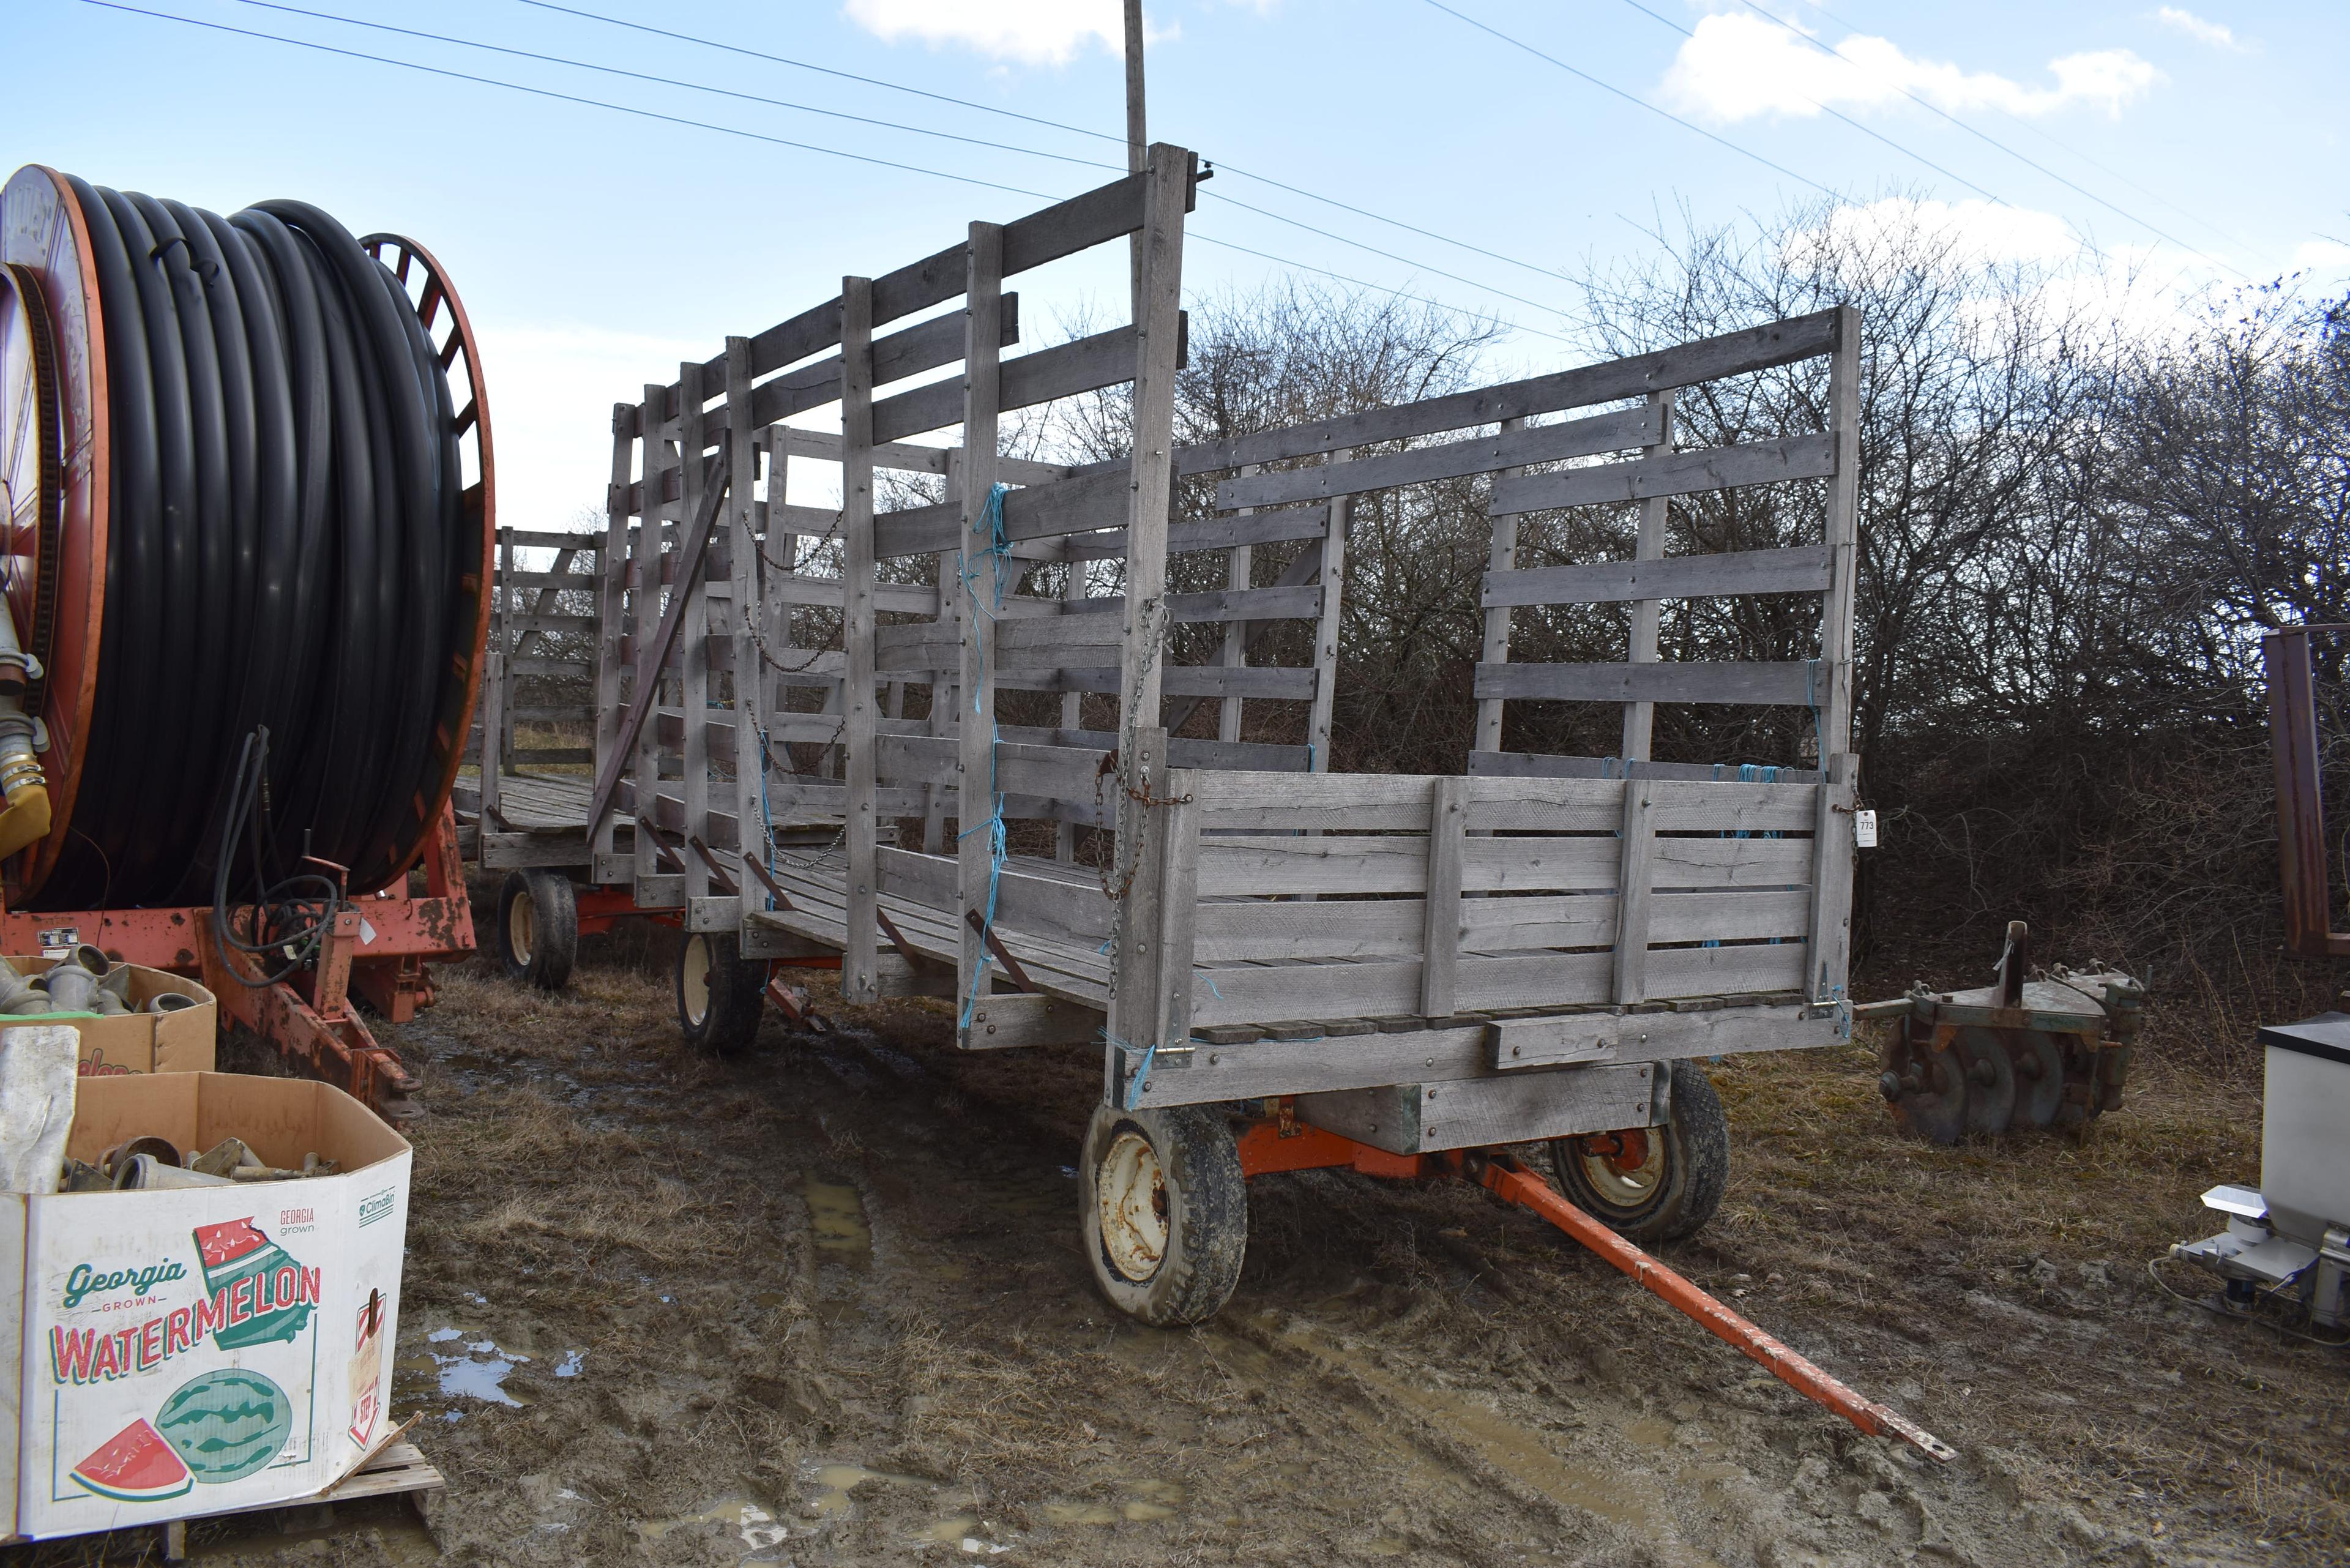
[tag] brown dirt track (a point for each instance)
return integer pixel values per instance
(828, 1309)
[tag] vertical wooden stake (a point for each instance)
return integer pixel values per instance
(781, 549)
(975, 703)
(1167, 187)
(1448, 837)
(743, 579)
(857, 963)
(946, 707)
(1179, 898)
(1503, 557)
(1632, 881)
(1834, 700)
(693, 637)
(645, 586)
(1137, 141)
(1640, 718)
(611, 599)
(1237, 576)
(1326, 631)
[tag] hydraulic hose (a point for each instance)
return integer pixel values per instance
(286, 552)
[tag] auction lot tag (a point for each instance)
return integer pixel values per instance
(1864, 830)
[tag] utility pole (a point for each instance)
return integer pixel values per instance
(1137, 142)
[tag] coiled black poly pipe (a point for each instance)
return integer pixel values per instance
(284, 550)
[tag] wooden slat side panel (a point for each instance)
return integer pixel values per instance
(1548, 980)
(1589, 921)
(1680, 473)
(1304, 990)
(1586, 805)
(1803, 570)
(1683, 365)
(1456, 460)
(1245, 865)
(1785, 683)
(1266, 929)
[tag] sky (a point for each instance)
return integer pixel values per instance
(1477, 153)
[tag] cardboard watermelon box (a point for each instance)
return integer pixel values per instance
(207, 1349)
(137, 1041)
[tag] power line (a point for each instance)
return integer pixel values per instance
(825, 70)
(1381, 288)
(1223, 165)
(672, 81)
(1985, 136)
(569, 98)
(886, 124)
(736, 131)
(1636, 99)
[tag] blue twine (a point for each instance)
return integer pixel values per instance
(1309, 757)
(1212, 985)
(998, 550)
(1141, 1074)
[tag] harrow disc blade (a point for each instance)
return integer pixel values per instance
(1935, 1108)
(1990, 1079)
(2039, 1065)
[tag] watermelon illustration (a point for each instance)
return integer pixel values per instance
(136, 1465)
(227, 1424)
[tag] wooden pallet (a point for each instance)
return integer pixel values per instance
(397, 1469)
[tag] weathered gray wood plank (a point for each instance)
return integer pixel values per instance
(1801, 570)
(1676, 473)
(859, 971)
(1448, 828)
(1517, 445)
(1786, 683)
(1686, 364)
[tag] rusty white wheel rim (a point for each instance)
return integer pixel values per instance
(1130, 1189)
(695, 980)
(1622, 1187)
(522, 928)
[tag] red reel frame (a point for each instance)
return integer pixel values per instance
(427, 283)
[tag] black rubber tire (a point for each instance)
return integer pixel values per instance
(731, 993)
(1694, 1147)
(539, 929)
(1201, 1199)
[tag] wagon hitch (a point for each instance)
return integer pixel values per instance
(1503, 1176)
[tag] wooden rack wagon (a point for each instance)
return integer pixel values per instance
(1378, 968)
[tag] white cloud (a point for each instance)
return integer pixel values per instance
(2216, 34)
(1035, 32)
(2327, 257)
(552, 387)
(1736, 67)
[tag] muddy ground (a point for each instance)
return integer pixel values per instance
(822, 1303)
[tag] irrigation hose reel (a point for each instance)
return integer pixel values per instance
(248, 486)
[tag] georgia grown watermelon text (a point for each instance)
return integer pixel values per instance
(86, 1280)
(258, 1293)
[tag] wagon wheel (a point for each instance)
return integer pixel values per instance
(538, 927)
(1653, 1184)
(1163, 1208)
(452, 332)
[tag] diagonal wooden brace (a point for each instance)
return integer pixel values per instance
(695, 544)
